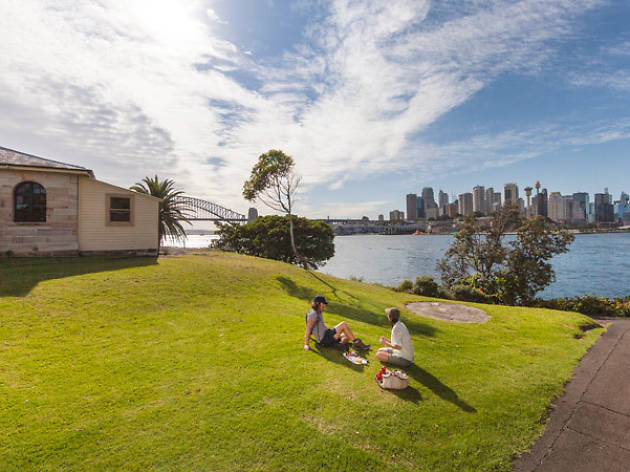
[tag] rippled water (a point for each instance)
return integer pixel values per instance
(596, 263)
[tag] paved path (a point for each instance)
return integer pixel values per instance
(589, 428)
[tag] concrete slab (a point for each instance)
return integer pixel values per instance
(605, 425)
(611, 386)
(577, 452)
(453, 312)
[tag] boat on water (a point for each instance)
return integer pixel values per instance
(417, 232)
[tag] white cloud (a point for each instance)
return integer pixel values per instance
(214, 17)
(143, 87)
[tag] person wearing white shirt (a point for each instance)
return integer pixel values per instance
(398, 350)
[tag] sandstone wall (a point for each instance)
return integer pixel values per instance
(59, 234)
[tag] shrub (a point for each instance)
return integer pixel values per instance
(406, 286)
(426, 286)
(589, 305)
(467, 293)
(268, 237)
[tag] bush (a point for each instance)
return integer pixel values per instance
(468, 293)
(406, 286)
(589, 305)
(268, 237)
(426, 286)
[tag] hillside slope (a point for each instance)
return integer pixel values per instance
(196, 363)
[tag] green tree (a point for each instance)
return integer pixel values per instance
(478, 251)
(268, 237)
(172, 211)
(512, 273)
(273, 182)
(527, 271)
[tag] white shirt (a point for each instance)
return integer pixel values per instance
(401, 337)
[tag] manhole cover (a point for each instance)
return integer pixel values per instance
(449, 312)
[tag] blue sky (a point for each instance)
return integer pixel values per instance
(374, 99)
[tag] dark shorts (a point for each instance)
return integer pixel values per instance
(329, 337)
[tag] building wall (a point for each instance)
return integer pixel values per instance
(59, 233)
(95, 235)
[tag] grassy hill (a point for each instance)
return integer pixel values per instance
(196, 363)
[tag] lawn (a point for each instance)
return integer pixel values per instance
(196, 363)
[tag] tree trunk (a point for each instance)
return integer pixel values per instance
(297, 255)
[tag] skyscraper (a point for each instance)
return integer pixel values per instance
(582, 198)
(466, 204)
(420, 213)
(510, 194)
(442, 200)
(539, 202)
(479, 199)
(412, 206)
(428, 198)
(604, 211)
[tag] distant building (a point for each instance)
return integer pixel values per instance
(510, 194)
(539, 204)
(412, 206)
(433, 213)
(555, 207)
(494, 203)
(420, 215)
(381, 218)
(479, 199)
(442, 199)
(396, 215)
(452, 209)
(622, 205)
(252, 214)
(466, 204)
(428, 198)
(604, 210)
(583, 199)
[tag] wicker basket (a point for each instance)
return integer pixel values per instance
(393, 380)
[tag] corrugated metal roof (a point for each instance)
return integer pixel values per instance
(16, 158)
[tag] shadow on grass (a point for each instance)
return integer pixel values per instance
(433, 383)
(18, 276)
(336, 356)
(409, 394)
(351, 311)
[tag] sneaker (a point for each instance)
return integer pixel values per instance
(360, 345)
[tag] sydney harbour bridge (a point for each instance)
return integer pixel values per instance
(204, 210)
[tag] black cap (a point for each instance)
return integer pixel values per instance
(320, 299)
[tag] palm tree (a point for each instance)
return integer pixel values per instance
(172, 211)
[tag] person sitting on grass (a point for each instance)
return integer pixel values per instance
(399, 350)
(333, 337)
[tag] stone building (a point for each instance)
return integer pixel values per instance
(52, 208)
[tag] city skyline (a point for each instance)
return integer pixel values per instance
(572, 208)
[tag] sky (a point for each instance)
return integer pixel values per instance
(373, 99)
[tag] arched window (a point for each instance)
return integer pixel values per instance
(29, 203)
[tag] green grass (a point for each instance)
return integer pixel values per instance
(196, 363)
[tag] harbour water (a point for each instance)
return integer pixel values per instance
(597, 264)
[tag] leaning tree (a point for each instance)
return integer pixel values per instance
(273, 182)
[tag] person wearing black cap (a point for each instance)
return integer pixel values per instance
(340, 334)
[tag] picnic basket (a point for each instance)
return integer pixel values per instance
(392, 379)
